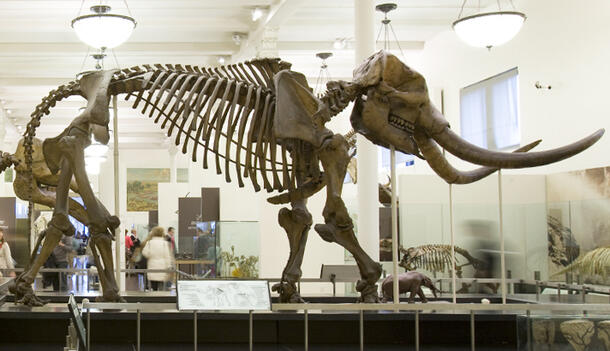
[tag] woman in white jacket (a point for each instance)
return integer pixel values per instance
(6, 260)
(158, 252)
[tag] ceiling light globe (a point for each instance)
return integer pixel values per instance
(489, 29)
(103, 30)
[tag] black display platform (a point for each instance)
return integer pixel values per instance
(383, 330)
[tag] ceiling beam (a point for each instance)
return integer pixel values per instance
(276, 15)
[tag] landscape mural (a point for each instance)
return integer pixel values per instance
(142, 186)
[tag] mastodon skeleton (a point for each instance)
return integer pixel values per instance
(274, 133)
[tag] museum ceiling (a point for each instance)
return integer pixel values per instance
(39, 50)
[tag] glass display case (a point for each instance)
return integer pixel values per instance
(563, 332)
(221, 249)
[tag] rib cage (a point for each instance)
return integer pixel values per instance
(204, 107)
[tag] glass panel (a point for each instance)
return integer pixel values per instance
(477, 235)
(423, 220)
(525, 229)
(237, 249)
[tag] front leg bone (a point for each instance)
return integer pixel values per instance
(338, 225)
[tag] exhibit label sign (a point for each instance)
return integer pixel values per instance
(197, 295)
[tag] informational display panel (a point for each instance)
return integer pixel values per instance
(213, 294)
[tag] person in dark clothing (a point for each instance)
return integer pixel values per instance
(139, 261)
(60, 253)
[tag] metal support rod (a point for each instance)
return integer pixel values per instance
(394, 226)
(117, 210)
(501, 231)
(416, 330)
(250, 332)
(88, 329)
(558, 292)
(138, 340)
(361, 332)
(472, 330)
(306, 315)
(529, 330)
(452, 232)
(195, 330)
(537, 290)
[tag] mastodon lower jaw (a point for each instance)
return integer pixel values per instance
(472, 153)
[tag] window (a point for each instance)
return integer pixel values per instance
(402, 160)
(489, 111)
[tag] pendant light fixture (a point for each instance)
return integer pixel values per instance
(324, 75)
(489, 29)
(386, 26)
(102, 29)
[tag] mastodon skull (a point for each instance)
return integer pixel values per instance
(395, 109)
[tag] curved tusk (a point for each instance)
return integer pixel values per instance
(445, 170)
(472, 153)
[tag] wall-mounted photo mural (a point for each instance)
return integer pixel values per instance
(578, 215)
(142, 186)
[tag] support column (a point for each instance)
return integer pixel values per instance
(173, 169)
(119, 237)
(3, 124)
(368, 199)
(267, 47)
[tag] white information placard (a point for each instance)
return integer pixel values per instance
(223, 295)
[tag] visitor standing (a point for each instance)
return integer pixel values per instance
(61, 253)
(6, 260)
(158, 254)
(170, 237)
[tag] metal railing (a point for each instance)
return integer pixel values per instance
(582, 289)
(304, 309)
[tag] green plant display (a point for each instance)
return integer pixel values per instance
(239, 266)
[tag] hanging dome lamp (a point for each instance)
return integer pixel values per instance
(488, 29)
(102, 29)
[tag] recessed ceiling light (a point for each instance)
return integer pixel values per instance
(257, 13)
(221, 60)
(238, 37)
(340, 43)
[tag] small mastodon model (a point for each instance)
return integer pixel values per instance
(262, 119)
